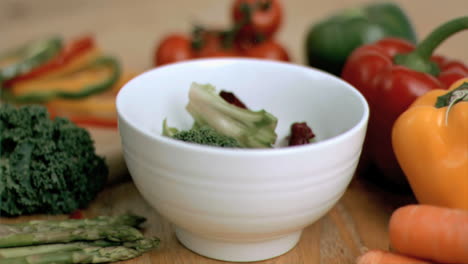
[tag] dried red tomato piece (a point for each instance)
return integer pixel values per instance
(301, 134)
(232, 99)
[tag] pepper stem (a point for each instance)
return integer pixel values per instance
(419, 59)
(460, 94)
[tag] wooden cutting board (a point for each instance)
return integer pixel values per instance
(107, 143)
(359, 220)
(131, 29)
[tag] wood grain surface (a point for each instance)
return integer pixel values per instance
(131, 29)
(357, 222)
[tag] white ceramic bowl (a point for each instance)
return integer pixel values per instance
(242, 204)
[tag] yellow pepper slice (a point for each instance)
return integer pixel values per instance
(99, 104)
(96, 110)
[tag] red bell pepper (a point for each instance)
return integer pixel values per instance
(78, 214)
(85, 119)
(94, 121)
(72, 50)
(391, 74)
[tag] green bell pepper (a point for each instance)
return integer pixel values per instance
(331, 41)
(21, 60)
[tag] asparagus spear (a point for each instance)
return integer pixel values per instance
(59, 235)
(43, 225)
(90, 254)
(14, 252)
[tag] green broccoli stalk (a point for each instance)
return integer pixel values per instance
(46, 166)
(252, 129)
(201, 135)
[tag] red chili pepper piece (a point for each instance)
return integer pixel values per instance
(78, 214)
(74, 49)
(391, 74)
(86, 120)
(232, 99)
(301, 134)
(94, 121)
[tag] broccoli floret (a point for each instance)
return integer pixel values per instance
(252, 129)
(46, 166)
(202, 135)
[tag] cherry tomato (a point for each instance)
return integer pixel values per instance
(243, 43)
(261, 17)
(268, 50)
(226, 53)
(173, 48)
(211, 45)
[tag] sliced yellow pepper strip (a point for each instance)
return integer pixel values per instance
(96, 77)
(102, 104)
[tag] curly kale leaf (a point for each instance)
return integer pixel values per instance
(46, 166)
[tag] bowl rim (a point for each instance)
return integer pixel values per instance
(187, 146)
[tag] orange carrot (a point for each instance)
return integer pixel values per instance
(385, 257)
(430, 232)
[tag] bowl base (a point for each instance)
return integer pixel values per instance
(237, 251)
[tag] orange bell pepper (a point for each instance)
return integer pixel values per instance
(430, 141)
